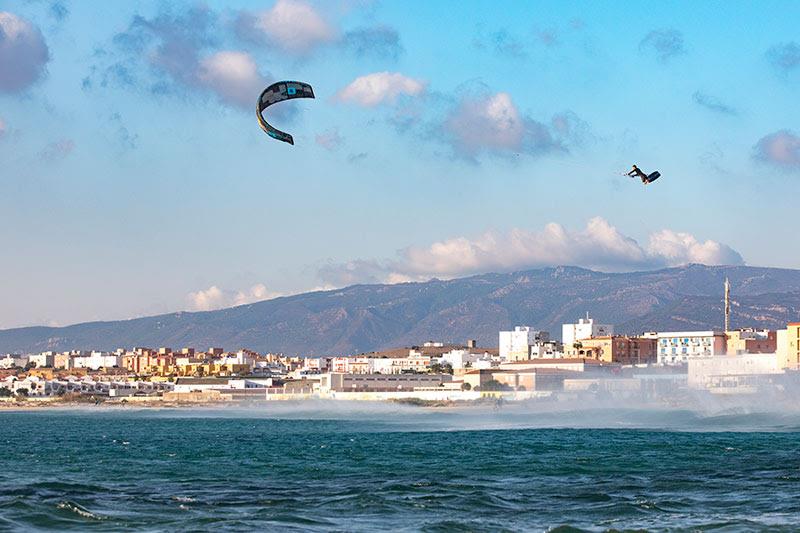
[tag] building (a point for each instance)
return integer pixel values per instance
(516, 345)
(617, 387)
(529, 379)
(43, 360)
(749, 340)
(460, 358)
(731, 373)
(577, 364)
(414, 362)
(789, 351)
(61, 360)
(615, 349)
(97, 360)
(547, 350)
(13, 361)
(585, 328)
(338, 382)
(678, 347)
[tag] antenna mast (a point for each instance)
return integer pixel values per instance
(727, 305)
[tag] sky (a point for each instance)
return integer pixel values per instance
(446, 139)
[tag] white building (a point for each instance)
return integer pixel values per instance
(242, 357)
(13, 361)
(458, 359)
(678, 347)
(43, 360)
(380, 382)
(516, 345)
(732, 374)
(96, 360)
(415, 362)
(547, 350)
(782, 348)
(585, 328)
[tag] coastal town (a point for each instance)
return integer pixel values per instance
(589, 359)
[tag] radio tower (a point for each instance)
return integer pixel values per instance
(727, 305)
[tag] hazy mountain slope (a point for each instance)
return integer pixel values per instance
(369, 317)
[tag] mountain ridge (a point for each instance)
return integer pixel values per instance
(368, 317)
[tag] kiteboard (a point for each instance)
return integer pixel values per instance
(653, 176)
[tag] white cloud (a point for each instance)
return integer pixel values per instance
(380, 87)
(780, 149)
(293, 26)
(492, 123)
(23, 53)
(599, 246)
(175, 52)
(675, 248)
(233, 76)
(216, 298)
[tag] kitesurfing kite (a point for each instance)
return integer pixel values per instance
(278, 92)
(646, 178)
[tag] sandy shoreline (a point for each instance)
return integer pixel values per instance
(39, 404)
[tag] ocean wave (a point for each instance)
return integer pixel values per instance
(78, 510)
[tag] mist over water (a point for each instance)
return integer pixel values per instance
(355, 466)
(697, 413)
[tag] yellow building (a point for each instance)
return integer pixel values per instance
(749, 340)
(789, 348)
(615, 349)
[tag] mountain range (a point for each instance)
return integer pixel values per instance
(364, 318)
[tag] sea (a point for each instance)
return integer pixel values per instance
(340, 466)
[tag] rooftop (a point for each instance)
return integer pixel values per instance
(556, 361)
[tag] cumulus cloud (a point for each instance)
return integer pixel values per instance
(675, 248)
(599, 245)
(785, 56)
(330, 140)
(714, 104)
(233, 76)
(57, 150)
(379, 41)
(216, 298)
(23, 53)
(571, 128)
(170, 42)
(493, 124)
(780, 149)
(380, 87)
(174, 51)
(293, 26)
(666, 44)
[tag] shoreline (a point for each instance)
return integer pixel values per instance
(158, 403)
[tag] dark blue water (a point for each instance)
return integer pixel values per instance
(394, 469)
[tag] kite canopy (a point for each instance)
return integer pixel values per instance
(278, 92)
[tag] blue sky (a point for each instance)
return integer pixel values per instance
(446, 139)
